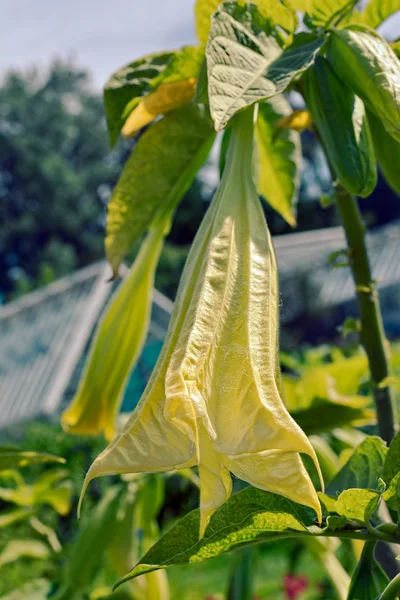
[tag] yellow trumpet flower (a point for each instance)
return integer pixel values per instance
(214, 398)
(117, 345)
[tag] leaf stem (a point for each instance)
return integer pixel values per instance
(392, 591)
(372, 332)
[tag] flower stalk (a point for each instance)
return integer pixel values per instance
(372, 331)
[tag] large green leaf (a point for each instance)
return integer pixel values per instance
(387, 151)
(363, 469)
(343, 128)
(366, 64)
(278, 158)
(375, 12)
(13, 458)
(277, 13)
(157, 174)
(245, 65)
(247, 517)
(126, 86)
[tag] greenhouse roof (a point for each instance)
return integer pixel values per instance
(44, 335)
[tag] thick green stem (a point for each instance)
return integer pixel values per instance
(392, 591)
(372, 332)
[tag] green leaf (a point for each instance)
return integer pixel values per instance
(375, 12)
(387, 151)
(16, 549)
(157, 174)
(278, 158)
(14, 516)
(368, 580)
(247, 517)
(245, 64)
(34, 590)
(363, 469)
(343, 128)
(277, 13)
(13, 458)
(42, 491)
(367, 65)
(392, 462)
(325, 415)
(357, 504)
(324, 12)
(127, 86)
(90, 545)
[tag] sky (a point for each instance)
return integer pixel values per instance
(101, 35)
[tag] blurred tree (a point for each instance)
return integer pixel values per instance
(56, 176)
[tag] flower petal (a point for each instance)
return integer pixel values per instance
(277, 472)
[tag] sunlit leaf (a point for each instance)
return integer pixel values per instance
(9, 517)
(13, 458)
(356, 503)
(278, 156)
(245, 65)
(364, 468)
(159, 171)
(16, 549)
(275, 10)
(322, 12)
(375, 12)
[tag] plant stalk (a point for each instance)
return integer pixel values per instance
(372, 332)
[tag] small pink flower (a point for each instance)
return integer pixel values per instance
(294, 586)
